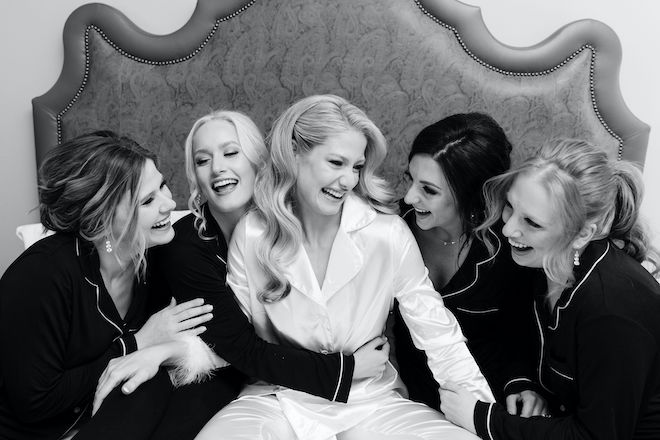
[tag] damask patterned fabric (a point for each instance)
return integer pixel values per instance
(385, 56)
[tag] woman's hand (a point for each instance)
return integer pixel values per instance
(174, 320)
(132, 370)
(457, 403)
(531, 404)
(371, 358)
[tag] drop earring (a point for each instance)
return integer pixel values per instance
(108, 246)
(576, 258)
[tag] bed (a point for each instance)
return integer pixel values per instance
(407, 63)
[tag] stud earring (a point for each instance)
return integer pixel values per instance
(576, 258)
(108, 246)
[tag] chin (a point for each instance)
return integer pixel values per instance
(331, 210)
(525, 261)
(161, 238)
(230, 202)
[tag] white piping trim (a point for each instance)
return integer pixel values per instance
(477, 312)
(518, 379)
(540, 328)
(221, 259)
(123, 346)
(593, 266)
(476, 271)
(341, 375)
(565, 376)
(77, 248)
(490, 412)
(99, 308)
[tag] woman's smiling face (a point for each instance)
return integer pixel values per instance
(430, 195)
(531, 223)
(154, 207)
(224, 174)
(328, 172)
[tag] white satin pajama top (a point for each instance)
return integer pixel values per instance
(374, 259)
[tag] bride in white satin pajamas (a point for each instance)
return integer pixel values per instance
(318, 265)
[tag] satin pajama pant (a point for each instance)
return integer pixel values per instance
(394, 418)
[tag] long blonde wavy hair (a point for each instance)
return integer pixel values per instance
(306, 124)
(252, 144)
(586, 187)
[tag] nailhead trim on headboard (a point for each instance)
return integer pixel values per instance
(427, 13)
(592, 61)
(206, 40)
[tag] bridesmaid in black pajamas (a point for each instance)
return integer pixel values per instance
(448, 164)
(74, 301)
(572, 214)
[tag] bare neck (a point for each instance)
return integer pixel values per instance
(554, 292)
(319, 234)
(319, 230)
(227, 221)
(118, 277)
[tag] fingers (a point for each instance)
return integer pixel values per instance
(131, 384)
(193, 331)
(194, 322)
(527, 406)
(103, 389)
(374, 343)
(197, 302)
(540, 407)
(512, 404)
(385, 349)
(543, 408)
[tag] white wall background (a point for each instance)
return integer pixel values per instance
(31, 44)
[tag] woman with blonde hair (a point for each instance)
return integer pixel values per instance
(572, 214)
(223, 152)
(318, 265)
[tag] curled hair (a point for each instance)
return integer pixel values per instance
(306, 124)
(585, 187)
(83, 181)
(470, 148)
(252, 145)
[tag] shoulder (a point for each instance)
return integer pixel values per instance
(185, 224)
(619, 286)
(50, 264)
(186, 248)
(251, 224)
(185, 233)
(386, 227)
(249, 231)
(51, 254)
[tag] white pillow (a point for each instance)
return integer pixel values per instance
(31, 233)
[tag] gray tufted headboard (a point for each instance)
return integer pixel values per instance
(407, 63)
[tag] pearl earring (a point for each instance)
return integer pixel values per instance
(576, 258)
(108, 246)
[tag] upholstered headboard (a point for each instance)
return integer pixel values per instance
(407, 63)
